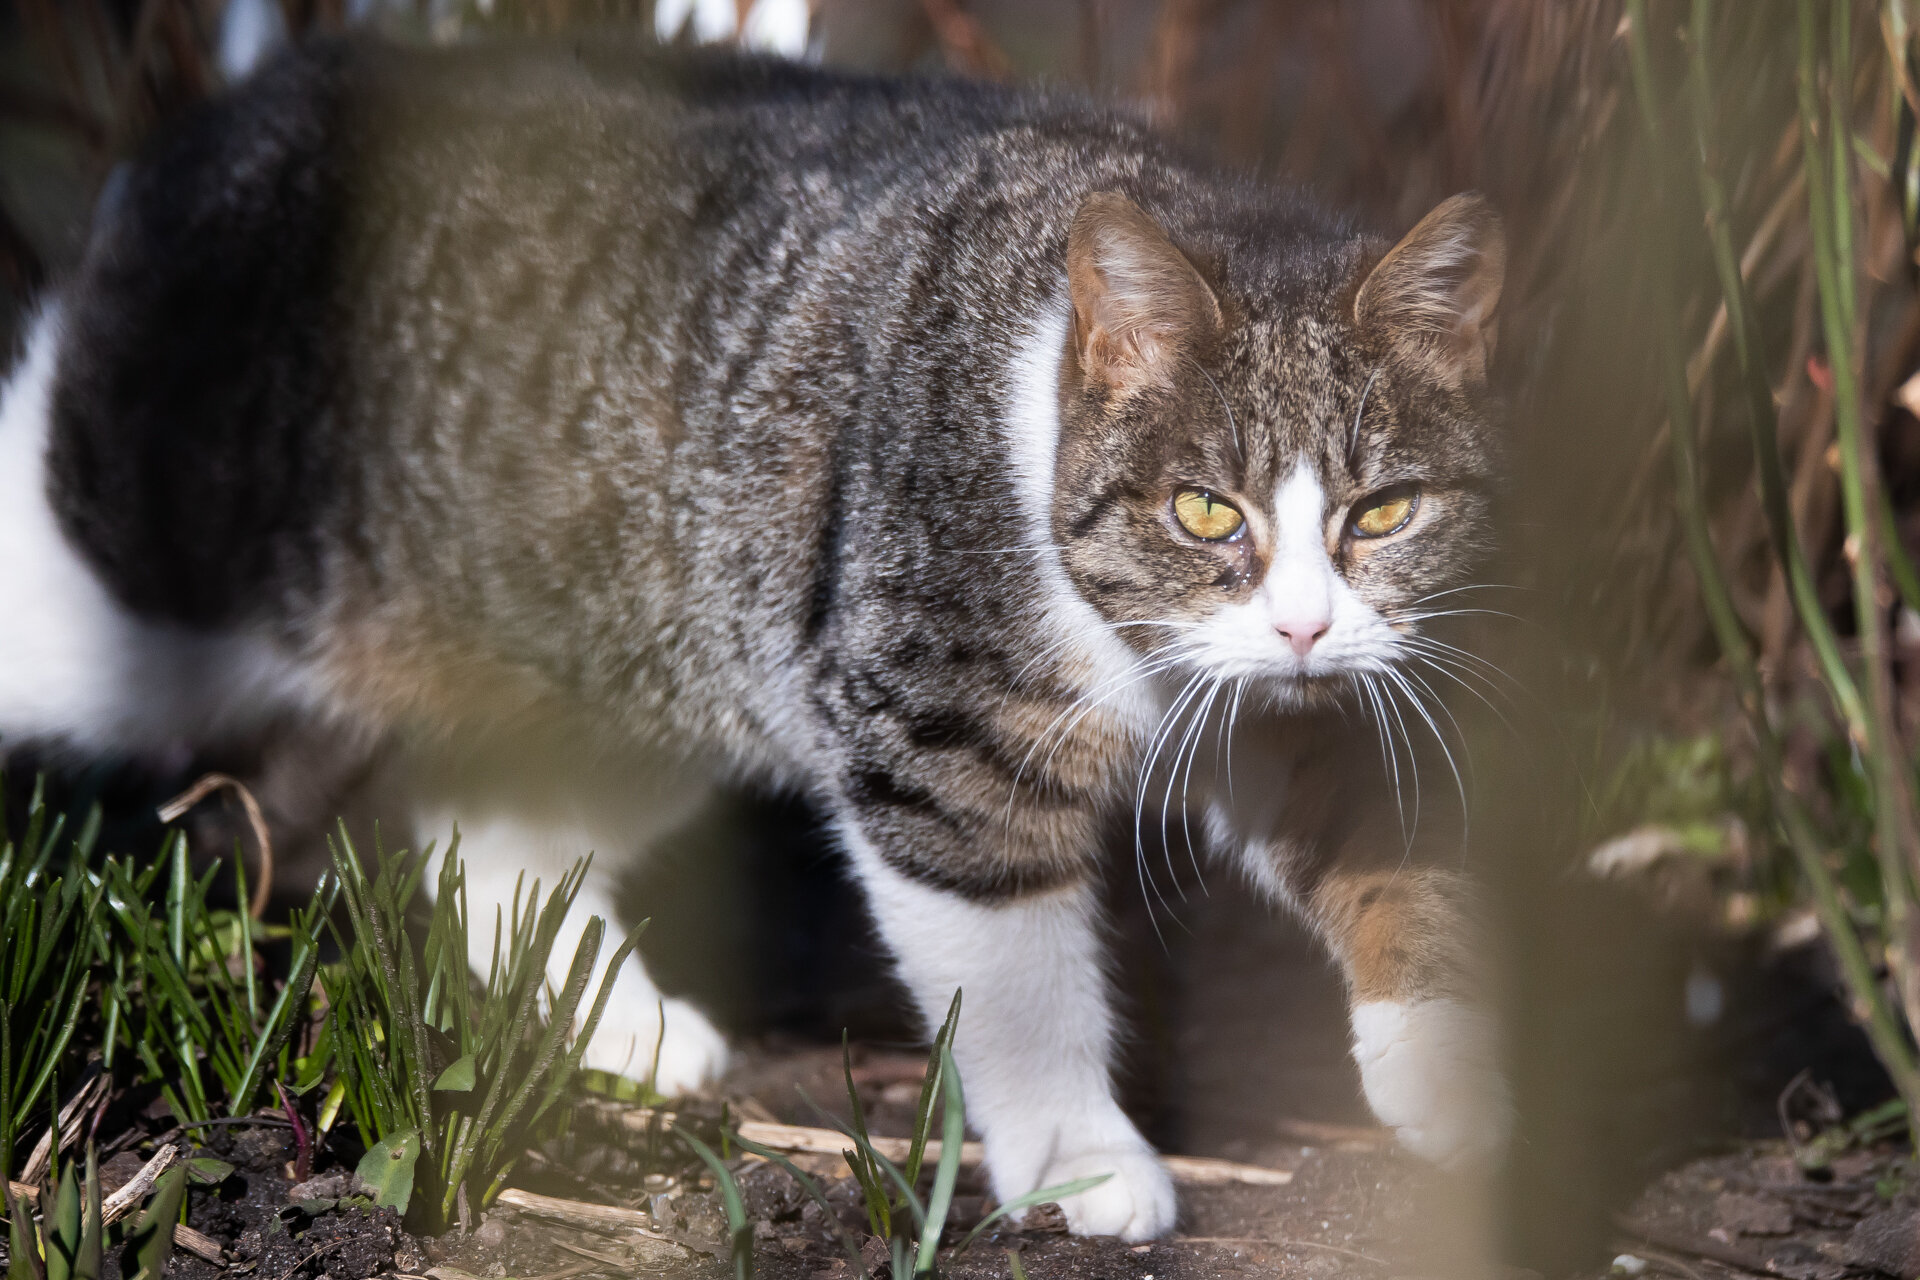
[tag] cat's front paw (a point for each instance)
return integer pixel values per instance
(691, 1052)
(1431, 1073)
(1135, 1203)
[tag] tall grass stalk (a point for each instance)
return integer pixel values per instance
(1828, 153)
(1832, 207)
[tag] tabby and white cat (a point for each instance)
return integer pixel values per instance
(588, 427)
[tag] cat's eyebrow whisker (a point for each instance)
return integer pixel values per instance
(1353, 437)
(1232, 423)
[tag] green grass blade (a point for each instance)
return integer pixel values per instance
(739, 1226)
(930, 1089)
(289, 1007)
(607, 978)
(814, 1193)
(947, 1172)
(51, 1056)
(1055, 1193)
(90, 1259)
(62, 1226)
(152, 1239)
(553, 1041)
(879, 1203)
(23, 1242)
(867, 1151)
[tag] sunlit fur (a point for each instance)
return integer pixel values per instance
(573, 429)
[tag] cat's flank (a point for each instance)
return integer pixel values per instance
(583, 429)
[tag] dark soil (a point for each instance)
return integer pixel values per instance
(1757, 1211)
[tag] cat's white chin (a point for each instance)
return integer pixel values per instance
(1431, 1073)
(692, 1051)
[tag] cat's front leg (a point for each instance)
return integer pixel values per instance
(1318, 839)
(1035, 1037)
(1425, 1040)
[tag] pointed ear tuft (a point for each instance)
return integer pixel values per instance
(1138, 304)
(1434, 295)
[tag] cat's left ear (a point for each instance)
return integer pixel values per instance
(1138, 304)
(1435, 293)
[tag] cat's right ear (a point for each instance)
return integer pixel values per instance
(1435, 294)
(1138, 304)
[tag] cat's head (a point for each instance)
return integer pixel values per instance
(1275, 467)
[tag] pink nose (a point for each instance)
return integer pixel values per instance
(1303, 634)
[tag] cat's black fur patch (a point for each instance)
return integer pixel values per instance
(190, 456)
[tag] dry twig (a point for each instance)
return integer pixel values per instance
(174, 809)
(139, 1187)
(1192, 1170)
(72, 1121)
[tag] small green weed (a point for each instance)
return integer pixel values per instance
(197, 1009)
(70, 1242)
(910, 1227)
(49, 938)
(448, 1082)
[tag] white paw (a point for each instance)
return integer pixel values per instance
(1431, 1073)
(691, 1053)
(1135, 1203)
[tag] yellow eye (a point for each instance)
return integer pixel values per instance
(1205, 516)
(1381, 518)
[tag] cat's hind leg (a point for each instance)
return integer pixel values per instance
(1034, 1042)
(644, 1034)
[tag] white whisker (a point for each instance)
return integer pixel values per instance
(1400, 678)
(1160, 734)
(1190, 746)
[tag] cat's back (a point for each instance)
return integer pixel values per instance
(370, 250)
